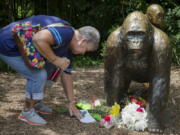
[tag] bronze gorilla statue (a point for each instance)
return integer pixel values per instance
(155, 13)
(138, 51)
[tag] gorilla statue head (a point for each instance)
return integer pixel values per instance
(155, 13)
(136, 33)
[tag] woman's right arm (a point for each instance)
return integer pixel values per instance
(43, 41)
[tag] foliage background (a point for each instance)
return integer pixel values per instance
(105, 15)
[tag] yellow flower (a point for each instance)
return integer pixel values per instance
(115, 109)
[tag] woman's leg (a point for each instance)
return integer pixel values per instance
(34, 89)
(36, 79)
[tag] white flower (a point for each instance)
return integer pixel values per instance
(133, 119)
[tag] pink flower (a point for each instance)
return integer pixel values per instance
(106, 122)
(139, 102)
(139, 110)
(107, 118)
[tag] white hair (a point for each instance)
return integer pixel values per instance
(91, 34)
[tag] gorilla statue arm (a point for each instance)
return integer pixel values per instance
(160, 64)
(114, 68)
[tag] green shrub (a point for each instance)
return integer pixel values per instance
(172, 27)
(86, 61)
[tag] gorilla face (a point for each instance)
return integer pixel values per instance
(137, 47)
(135, 40)
(136, 34)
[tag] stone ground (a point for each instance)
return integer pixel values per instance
(88, 83)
